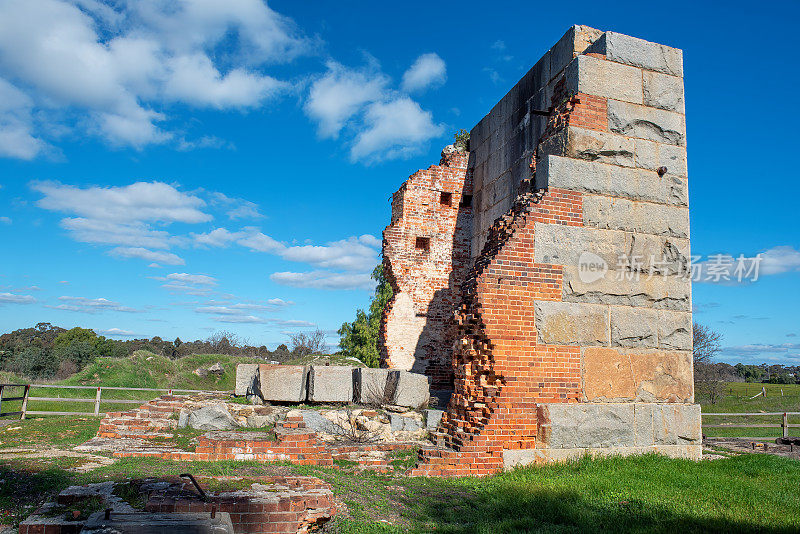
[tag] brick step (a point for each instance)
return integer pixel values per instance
(125, 434)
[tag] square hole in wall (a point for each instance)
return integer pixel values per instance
(466, 201)
(446, 199)
(423, 244)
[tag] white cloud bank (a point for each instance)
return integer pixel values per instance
(429, 70)
(116, 67)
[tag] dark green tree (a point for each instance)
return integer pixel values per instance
(359, 339)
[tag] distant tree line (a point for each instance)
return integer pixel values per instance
(47, 351)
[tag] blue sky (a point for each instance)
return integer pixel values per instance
(178, 168)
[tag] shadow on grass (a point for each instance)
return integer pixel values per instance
(550, 510)
(23, 490)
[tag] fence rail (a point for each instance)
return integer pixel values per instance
(784, 424)
(95, 400)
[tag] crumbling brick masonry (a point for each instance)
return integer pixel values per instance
(543, 275)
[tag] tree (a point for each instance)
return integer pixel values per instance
(304, 344)
(708, 376)
(359, 339)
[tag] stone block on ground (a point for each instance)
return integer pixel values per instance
(214, 417)
(330, 383)
(283, 383)
(246, 379)
(371, 386)
(183, 419)
(404, 423)
(432, 418)
(315, 421)
(410, 389)
(216, 369)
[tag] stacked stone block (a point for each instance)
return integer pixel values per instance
(552, 361)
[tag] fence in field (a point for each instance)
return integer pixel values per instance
(784, 424)
(96, 399)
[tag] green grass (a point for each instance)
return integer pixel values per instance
(323, 359)
(736, 399)
(748, 492)
(44, 430)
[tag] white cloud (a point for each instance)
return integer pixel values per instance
(12, 298)
(324, 280)
(428, 71)
(779, 260)
(148, 255)
(116, 64)
(196, 279)
(240, 319)
(87, 305)
(141, 201)
(5, 220)
(341, 93)
(394, 129)
(116, 332)
(16, 124)
(352, 254)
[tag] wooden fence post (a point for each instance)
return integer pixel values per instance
(25, 402)
(97, 401)
(785, 425)
(1, 398)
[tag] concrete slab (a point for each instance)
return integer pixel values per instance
(370, 386)
(158, 523)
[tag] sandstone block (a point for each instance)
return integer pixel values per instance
(643, 425)
(634, 327)
(371, 386)
(675, 424)
(635, 216)
(612, 180)
(674, 330)
(651, 155)
(590, 145)
(246, 379)
(567, 323)
(645, 122)
(661, 292)
(563, 245)
(590, 425)
(283, 383)
(577, 39)
(663, 91)
(410, 389)
(330, 383)
(640, 53)
(593, 76)
(618, 375)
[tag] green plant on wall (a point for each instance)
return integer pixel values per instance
(462, 140)
(359, 339)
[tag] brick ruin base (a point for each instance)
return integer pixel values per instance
(565, 271)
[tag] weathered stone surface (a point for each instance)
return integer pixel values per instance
(593, 76)
(574, 41)
(159, 523)
(183, 419)
(590, 425)
(216, 369)
(403, 330)
(634, 327)
(640, 53)
(635, 216)
(283, 383)
(260, 421)
(611, 375)
(662, 292)
(567, 323)
(411, 389)
(645, 122)
(521, 457)
(214, 417)
(404, 423)
(677, 424)
(432, 419)
(643, 432)
(613, 180)
(246, 379)
(371, 386)
(674, 330)
(563, 245)
(333, 383)
(316, 421)
(651, 155)
(663, 91)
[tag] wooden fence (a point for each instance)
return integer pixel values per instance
(96, 399)
(784, 424)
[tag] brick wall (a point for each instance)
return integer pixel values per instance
(426, 256)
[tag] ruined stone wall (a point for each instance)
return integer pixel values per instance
(426, 256)
(574, 328)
